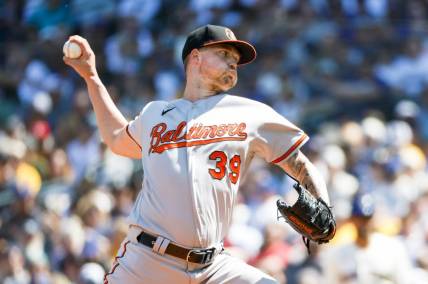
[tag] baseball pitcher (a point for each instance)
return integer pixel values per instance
(194, 151)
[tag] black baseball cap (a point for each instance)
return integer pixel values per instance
(211, 35)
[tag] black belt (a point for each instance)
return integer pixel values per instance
(200, 256)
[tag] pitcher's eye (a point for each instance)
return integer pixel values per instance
(222, 53)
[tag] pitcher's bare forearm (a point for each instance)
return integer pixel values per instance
(299, 167)
(109, 119)
(111, 123)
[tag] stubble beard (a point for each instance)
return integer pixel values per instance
(226, 81)
(223, 82)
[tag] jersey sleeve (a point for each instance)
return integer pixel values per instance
(134, 129)
(276, 138)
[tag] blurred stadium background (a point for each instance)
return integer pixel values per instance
(351, 73)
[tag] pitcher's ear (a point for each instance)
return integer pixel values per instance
(196, 55)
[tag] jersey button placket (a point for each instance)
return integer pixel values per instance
(190, 168)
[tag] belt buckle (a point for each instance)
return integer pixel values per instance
(207, 255)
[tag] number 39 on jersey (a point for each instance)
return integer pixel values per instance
(225, 167)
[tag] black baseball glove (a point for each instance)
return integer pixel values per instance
(309, 216)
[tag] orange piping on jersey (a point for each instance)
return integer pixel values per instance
(159, 149)
(116, 263)
(130, 136)
(291, 150)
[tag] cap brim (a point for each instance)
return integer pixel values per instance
(247, 51)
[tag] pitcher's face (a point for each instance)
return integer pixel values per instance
(218, 68)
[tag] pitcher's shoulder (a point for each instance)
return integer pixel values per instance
(238, 101)
(243, 101)
(154, 106)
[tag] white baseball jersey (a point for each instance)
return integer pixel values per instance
(194, 156)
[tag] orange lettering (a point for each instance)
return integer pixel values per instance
(231, 128)
(161, 138)
(177, 133)
(198, 132)
(167, 137)
(190, 133)
(240, 130)
(209, 130)
(221, 130)
(156, 133)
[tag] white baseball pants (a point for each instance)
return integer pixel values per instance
(136, 263)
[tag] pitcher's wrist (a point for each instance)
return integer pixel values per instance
(92, 78)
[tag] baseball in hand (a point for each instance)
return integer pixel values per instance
(71, 50)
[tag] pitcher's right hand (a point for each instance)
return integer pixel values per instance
(84, 65)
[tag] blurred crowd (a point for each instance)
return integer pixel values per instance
(352, 73)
